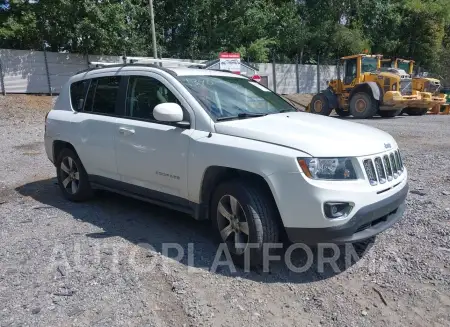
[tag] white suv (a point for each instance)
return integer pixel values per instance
(222, 147)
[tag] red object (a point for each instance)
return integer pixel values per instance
(256, 78)
(229, 55)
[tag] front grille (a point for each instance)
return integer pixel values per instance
(385, 168)
(406, 87)
(432, 87)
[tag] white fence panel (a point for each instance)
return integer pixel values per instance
(25, 71)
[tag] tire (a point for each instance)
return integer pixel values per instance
(389, 113)
(363, 105)
(69, 166)
(342, 113)
(254, 207)
(319, 105)
(416, 111)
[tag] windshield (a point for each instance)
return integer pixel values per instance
(404, 65)
(224, 96)
(369, 65)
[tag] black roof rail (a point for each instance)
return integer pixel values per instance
(134, 64)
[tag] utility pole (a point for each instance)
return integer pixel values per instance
(152, 18)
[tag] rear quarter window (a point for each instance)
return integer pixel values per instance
(78, 94)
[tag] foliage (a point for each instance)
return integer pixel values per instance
(258, 29)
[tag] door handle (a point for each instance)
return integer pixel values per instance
(126, 131)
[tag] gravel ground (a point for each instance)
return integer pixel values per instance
(65, 264)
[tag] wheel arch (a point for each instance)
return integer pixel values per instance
(58, 146)
(215, 175)
(332, 98)
(370, 88)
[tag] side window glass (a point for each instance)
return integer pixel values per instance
(350, 71)
(78, 94)
(102, 95)
(144, 94)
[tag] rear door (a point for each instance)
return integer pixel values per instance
(96, 126)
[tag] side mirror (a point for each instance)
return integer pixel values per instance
(168, 112)
(80, 104)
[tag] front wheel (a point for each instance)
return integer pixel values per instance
(363, 105)
(319, 105)
(389, 113)
(245, 218)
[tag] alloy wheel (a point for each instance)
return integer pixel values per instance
(70, 175)
(233, 224)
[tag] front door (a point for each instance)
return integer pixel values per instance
(151, 156)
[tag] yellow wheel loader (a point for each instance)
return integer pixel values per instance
(428, 88)
(365, 91)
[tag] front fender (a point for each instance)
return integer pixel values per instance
(363, 87)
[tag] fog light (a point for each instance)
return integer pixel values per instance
(337, 209)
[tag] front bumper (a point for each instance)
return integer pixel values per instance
(366, 223)
(395, 100)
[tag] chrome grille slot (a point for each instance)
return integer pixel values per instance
(380, 170)
(383, 169)
(370, 171)
(393, 165)
(406, 86)
(397, 161)
(400, 159)
(388, 166)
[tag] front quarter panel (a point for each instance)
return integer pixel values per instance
(257, 157)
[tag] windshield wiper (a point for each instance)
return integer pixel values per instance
(242, 116)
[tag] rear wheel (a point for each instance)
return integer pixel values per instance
(245, 218)
(319, 105)
(416, 111)
(363, 105)
(72, 177)
(342, 113)
(389, 113)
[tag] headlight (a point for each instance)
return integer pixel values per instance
(328, 168)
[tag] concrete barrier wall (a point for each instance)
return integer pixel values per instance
(26, 71)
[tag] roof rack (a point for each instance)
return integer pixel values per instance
(143, 60)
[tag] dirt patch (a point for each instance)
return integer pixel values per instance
(21, 106)
(299, 100)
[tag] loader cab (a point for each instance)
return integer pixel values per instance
(386, 63)
(355, 66)
(406, 65)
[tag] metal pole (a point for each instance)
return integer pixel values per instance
(2, 80)
(48, 74)
(152, 18)
(297, 74)
(318, 74)
(274, 73)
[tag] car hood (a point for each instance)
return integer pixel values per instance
(316, 135)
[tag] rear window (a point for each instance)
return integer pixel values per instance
(102, 95)
(78, 94)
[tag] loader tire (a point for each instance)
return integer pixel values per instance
(416, 111)
(319, 105)
(363, 105)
